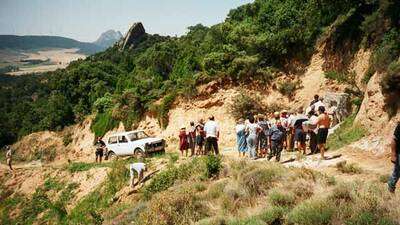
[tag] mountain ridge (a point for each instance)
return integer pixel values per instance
(108, 38)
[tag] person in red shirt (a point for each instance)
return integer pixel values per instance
(183, 141)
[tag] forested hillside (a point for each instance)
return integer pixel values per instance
(253, 43)
(38, 42)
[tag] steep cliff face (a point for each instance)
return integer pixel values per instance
(133, 36)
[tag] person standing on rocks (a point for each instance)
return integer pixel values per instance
(192, 138)
(211, 129)
(395, 158)
(323, 124)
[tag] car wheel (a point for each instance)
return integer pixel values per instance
(112, 156)
(139, 153)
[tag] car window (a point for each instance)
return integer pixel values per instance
(141, 135)
(112, 140)
(122, 139)
(132, 136)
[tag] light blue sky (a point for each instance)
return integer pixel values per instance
(85, 20)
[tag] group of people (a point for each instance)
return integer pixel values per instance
(262, 135)
(201, 138)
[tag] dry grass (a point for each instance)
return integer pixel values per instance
(351, 168)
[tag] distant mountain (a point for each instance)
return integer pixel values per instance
(39, 42)
(108, 38)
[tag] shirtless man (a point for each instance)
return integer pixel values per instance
(323, 123)
(9, 158)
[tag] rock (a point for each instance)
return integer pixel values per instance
(133, 36)
(342, 101)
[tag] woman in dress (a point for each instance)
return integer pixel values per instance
(183, 141)
(241, 138)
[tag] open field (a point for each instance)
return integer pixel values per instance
(53, 59)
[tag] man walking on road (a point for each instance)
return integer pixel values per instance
(395, 151)
(212, 134)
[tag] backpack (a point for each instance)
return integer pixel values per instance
(276, 134)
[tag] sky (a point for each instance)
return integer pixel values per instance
(85, 20)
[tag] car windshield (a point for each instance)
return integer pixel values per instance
(137, 135)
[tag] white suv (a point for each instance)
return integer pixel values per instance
(133, 143)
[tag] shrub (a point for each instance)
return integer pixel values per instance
(312, 212)
(67, 139)
(103, 104)
(278, 198)
(367, 76)
(180, 207)
(163, 109)
(347, 133)
(383, 178)
(102, 123)
(338, 76)
(245, 105)
(342, 192)
(288, 87)
(173, 158)
(391, 88)
(167, 178)
(273, 215)
(259, 180)
(216, 189)
(351, 168)
(387, 51)
(213, 166)
(82, 166)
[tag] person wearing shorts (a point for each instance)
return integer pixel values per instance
(100, 145)
(9, 158)
(199, 139)
(299, 134)
(323, 123)
(139, 169)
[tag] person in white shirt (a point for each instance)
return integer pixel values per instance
(252, 130)
(212, 134)
(138, 168)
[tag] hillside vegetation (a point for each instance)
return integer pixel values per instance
(253, 43)
(208, 191)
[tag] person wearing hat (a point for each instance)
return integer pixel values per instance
(276, 118)
(183, 141)
(9, 158)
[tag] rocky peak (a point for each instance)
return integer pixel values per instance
(133, 36)
(108, 38)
